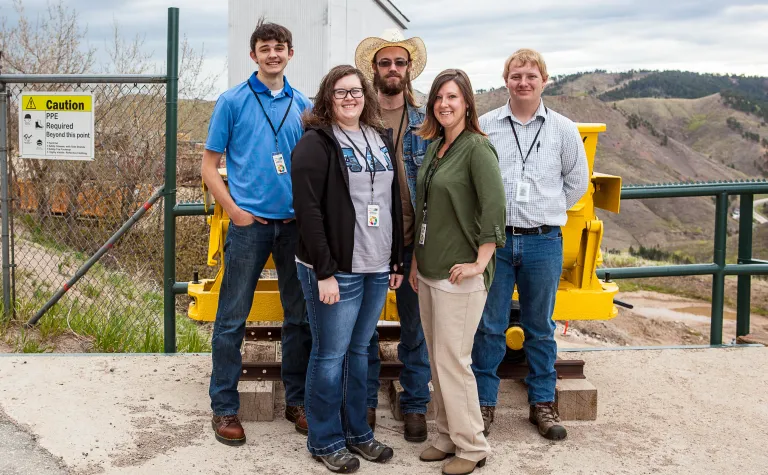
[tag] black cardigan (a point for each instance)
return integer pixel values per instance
(325, 214)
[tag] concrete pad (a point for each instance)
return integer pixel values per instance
(661, 411)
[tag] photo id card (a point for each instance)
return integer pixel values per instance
(422, 234)
(523, 193)
(277, 157)
(373, 215)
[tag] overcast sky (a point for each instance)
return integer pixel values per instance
(728, 36)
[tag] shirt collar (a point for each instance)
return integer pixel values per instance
(261, 88)
(505, 112)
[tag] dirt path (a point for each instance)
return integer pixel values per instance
(657, 319)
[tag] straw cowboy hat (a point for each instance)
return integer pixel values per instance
(368, 48)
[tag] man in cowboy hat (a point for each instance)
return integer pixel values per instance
(391, 62)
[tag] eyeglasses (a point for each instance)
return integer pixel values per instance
(386, 63)
(356, 92)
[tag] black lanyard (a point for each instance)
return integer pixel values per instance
(433, 166)
(372, 165)
(517, 140)
(271, 125)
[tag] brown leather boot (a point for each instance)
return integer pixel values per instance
(488, 413)
(433, 454)
(460, 466)
(545, 417)
(415, 427)
(298, 416)
(228, 430)
(371, 417)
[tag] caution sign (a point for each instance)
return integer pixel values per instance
(56, 125)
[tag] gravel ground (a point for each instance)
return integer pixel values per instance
(660, 411)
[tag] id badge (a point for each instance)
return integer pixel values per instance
(277, 157)
(523, 193)
(423, 234)
(373, 216)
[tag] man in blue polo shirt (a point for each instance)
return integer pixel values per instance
(257, 123)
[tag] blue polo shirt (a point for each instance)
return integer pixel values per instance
(239, 127)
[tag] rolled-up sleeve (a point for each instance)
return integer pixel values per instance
(575, 167)
(486, 178)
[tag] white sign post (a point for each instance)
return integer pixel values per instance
(56, 125)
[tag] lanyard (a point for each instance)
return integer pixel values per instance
(372, 164)
(433, 166)
(517, 140)
(271, 125)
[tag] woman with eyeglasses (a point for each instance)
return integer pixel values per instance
(348, 212)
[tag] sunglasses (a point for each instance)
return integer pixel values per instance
(386, 63)
(356, 92)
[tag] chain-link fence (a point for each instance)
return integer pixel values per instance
(63, 211)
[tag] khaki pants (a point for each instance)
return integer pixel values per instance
(450, 321)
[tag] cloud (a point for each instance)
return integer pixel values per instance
(477, 36)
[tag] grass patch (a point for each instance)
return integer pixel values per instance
(38, 235)
(696, 121)
(109, 309)
(27, 342)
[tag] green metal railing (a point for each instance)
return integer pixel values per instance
(746, 266)
(169, 219)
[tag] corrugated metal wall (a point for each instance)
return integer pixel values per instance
(351, 21)
(307, 20)
(325, 33)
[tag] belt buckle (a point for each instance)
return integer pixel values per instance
(515, 233)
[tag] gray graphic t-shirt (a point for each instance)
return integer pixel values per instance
(373, 244)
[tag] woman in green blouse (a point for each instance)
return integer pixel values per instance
(460, 220)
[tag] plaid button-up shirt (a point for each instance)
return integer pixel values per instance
(556, 168)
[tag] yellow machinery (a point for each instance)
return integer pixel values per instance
(580, 296)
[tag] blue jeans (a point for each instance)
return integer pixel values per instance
(411, 351)
(534, 263)
(246, 251)
(338, 364)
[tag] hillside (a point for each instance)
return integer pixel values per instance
(702, 124)
(590, 83)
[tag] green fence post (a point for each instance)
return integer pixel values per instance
(718, 279)
(744, 288)
(169, 235)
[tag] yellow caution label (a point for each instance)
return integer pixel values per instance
(58, 103)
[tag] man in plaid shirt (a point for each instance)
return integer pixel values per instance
(545, 172)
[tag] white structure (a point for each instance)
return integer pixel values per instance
(325, 34)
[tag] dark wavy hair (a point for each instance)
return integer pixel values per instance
(323, 115)
(431, 128)
(266, 31)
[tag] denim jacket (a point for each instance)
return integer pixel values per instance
(414, 148)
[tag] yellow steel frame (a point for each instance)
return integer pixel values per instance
(580, 296)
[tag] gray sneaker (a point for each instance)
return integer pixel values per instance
(373, 451)
(340, 461)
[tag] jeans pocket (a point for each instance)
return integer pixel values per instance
(237, 226)
(555, 237)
